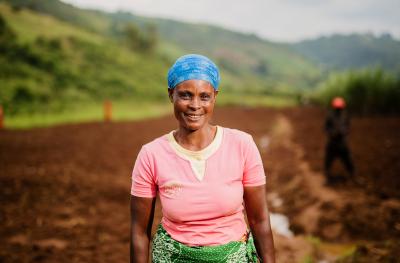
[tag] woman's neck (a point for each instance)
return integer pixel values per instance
(195, 140)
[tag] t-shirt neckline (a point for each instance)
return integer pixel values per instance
(197, 159)
(203, 154)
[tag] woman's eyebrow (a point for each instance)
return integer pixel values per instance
(185, 92)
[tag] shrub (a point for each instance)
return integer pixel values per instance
(369, 91)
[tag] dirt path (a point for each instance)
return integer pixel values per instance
(307, 210)
(314, 182)
(314, 207)
(341, 217)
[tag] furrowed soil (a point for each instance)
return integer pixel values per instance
(65, 190)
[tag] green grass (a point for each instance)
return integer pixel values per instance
(253, 100)
(29, 25)
(307, 259)
(367, 91)
(63, 64)
(122, 111)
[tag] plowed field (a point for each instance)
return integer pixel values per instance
(65, 190)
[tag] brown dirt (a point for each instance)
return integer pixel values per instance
(65, 189)
(370, 207)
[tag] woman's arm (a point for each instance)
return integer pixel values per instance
(142, 214)
(258, 217)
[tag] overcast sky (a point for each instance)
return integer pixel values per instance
(277, 20)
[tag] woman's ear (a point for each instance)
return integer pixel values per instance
(215, 93)
(171, 95)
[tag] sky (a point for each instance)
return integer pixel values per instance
(275, 20)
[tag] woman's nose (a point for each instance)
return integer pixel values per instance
(195, 103)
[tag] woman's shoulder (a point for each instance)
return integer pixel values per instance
(235, 136)
(156, 145)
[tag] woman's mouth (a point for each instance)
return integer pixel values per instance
(193, 117)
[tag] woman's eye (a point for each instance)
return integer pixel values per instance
(205, 97)
(184, 96)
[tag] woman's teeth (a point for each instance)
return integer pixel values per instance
(193, 116)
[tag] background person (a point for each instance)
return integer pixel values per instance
(203, 174)
(337, 126)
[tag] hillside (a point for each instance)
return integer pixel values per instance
(47, 64)
(247, 62)
(247, 59)
(352, 51)
(55, 55)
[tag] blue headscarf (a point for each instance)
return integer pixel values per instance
(193, 66)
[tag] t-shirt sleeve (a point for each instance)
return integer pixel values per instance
(143, 183)
(253, 174)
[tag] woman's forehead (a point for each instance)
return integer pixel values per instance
(195, 84)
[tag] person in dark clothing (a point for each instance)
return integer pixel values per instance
(337, 127)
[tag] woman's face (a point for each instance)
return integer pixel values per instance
(194, 102)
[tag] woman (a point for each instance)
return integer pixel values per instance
(203, 174)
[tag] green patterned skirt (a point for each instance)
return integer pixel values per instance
(166, 250)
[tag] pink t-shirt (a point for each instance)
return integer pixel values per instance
(200, 211)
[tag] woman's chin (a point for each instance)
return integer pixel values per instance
(193, 126)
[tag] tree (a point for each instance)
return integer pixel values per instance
(141, 41)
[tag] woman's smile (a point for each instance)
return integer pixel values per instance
(193, 117)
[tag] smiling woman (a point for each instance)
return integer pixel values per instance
(193, 106)
(205, 175)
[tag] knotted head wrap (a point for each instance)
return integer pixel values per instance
(193, 66)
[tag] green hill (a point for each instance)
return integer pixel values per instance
(56, 56)
(46, 63)
(247, 62)
(353, 51)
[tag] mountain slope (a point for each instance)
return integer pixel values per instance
(352, 51)
(46, 63)
(240, 55)
(247, 62)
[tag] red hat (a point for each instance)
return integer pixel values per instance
(338, 103)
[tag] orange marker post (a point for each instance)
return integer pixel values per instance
(107, 111)
(1, 117)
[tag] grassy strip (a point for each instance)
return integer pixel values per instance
(131, 110)
(253, 100)
(121, 110)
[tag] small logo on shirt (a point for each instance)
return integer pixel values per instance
(171, 189)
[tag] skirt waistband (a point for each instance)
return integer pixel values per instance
(166, 249)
